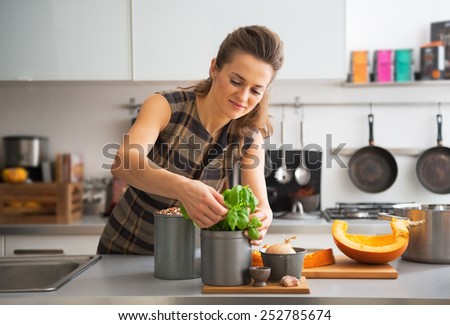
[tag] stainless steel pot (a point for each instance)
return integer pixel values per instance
(430, 241)
(24, 151)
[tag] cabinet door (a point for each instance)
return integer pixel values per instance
(44, 245)
(65, 40)
(176, 40)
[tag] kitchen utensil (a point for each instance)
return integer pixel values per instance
(268, 165)
(24, 151)
(282, 174)
(310, 203)
(271, 287)
(272, 194)
(94, 196)
(430, 241)
(177, 248)
(372, 168)
(433, 165)
(346, 268)
(284, 264)
(259, 274)
(302, 173)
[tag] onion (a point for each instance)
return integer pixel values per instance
(284, 248)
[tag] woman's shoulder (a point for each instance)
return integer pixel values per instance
(178, 96)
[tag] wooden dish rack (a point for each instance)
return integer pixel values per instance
(41, 203)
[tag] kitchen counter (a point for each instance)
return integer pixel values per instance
(94, 224)
(88, 225)
(310, 232)
(117, 279)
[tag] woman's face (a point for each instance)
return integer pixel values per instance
(240, 85)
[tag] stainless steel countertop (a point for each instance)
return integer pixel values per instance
(119, 279)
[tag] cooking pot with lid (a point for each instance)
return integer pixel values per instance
(430, 241)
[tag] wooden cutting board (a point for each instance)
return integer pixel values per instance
(269, 288)
(346, 268)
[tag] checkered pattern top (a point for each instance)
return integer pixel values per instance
(185, 148)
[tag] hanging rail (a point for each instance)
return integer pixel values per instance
(298, 104)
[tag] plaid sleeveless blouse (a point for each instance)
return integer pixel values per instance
(184, 147)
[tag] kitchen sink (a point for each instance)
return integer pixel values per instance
(41, 273)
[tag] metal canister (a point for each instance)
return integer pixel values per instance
(177, 248)
(226, 258)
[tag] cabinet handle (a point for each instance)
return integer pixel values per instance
(38, 251)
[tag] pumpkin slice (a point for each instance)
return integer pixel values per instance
(257, 258)
(319, 258)
(373, 249)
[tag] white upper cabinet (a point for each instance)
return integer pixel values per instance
(176, 40)
(65, 40)
(160, 39)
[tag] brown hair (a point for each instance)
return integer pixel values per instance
(264, 45)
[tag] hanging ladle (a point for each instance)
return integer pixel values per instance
(282, 174)
(302, 173)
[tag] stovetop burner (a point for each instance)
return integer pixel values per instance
(362, 210)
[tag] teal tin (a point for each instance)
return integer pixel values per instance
(404, 65)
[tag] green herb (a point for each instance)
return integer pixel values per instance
(241, 202)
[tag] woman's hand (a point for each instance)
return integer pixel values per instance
(266, 219)
(204, 204)
(252, 174)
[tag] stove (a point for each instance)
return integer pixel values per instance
(358, 211)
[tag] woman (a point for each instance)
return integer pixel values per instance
(184, 143)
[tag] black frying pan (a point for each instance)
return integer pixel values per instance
(433, 165)
(372, 169)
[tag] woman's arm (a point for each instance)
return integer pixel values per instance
(204, 204)
(252, 174)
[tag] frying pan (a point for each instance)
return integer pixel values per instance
(372, 169)
(433, 165)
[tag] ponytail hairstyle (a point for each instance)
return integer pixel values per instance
(264, 45)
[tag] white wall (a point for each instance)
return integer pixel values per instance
(79, 117)
(412, 127)
(387, 24)
(85, 116)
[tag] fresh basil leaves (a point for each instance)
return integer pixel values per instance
(241, 202)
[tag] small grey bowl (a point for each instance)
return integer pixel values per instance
(284, 264)
(259, 274)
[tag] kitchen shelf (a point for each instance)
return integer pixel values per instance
(397, 84)
(363, 104)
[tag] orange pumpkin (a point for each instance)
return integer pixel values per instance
(33, 205)
(373, 249)
(15, 175)
(319, 258)
(257, 258)
(15, 204)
